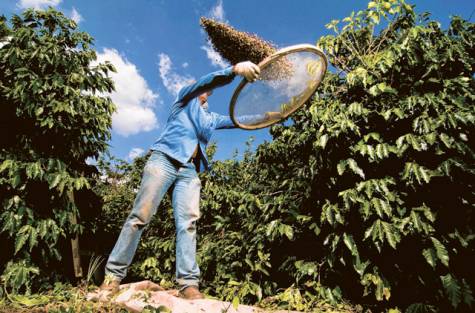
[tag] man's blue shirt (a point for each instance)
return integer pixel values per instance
(189, 124)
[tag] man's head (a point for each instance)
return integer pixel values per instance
(204, 97)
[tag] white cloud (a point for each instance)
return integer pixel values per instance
(171, 80)
(133, 119)
(132, 96)
(185, 65)
(135, 152)
(213, 56)
(75, 16)
(37, 4)
(217, 12)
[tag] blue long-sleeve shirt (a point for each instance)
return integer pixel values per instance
(189, 124)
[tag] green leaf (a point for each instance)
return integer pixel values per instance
(335, 242)
(29, 301)
(392, 234)
(271, 227)
(355, 168)
(234, 283)
(359, 266)
(22, 237)
(34, 170)
(38, 111)
(19, 274)
(55, 181)
(341, 167)
(441, 251)
(430, 256)
(350, 244)
(385, 207)
(327, 214)
(423, 173)
(372, 4)
(322, 142)
(376, 231)
(6, 164)
(16, 180)
(235, 303)
(467, 293)
(447, 140)
(33, 238)
(381, 88)
(288, 231)
(420, 308)
(452, 289)
(375, 17)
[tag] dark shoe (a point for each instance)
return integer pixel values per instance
(191, 293)
(110, 284)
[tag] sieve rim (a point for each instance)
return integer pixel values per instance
(264, 63)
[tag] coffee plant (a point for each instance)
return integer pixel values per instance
(367, 194)
(52, 117)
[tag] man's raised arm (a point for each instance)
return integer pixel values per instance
(220, 78)
(204, 84)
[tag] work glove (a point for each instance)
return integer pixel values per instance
(248, 70)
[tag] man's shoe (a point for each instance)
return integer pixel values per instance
(191, 293)
(110, 284)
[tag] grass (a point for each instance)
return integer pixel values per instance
(65, 298)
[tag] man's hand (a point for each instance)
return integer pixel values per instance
(247, 69)
(273, 115)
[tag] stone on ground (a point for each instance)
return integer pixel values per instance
(136, 296)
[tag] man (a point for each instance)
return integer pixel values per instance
(175, 159)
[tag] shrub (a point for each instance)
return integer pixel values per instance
(382, 163)
(367, 193)
(52, 118)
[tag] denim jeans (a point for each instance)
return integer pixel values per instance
(160, 173)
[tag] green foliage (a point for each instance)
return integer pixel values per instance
(63, 298)
(230, 271)
(384, 162)
(366, 194)
(19, 274)
(52, 118)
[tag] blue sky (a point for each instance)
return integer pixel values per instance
(158, 45)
